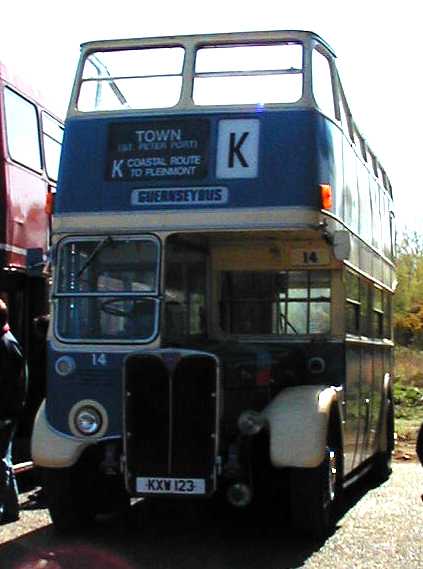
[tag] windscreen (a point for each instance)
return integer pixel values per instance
(107, 289)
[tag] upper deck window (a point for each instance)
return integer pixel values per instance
(23, 140)
(52, 139)
(137, 78)
(253, 74)
(322, 84)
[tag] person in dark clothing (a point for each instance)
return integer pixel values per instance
(12, 398)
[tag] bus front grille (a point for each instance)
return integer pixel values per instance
(171, 408)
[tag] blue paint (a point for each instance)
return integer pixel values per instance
(99, 383)
(295, 155)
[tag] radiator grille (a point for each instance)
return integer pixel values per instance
(170, 415)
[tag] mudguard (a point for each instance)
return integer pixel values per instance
(383, 434)
(50, 448)
(297, 420)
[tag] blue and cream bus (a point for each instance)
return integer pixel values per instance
(223, 277)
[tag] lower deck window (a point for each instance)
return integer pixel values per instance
(107, 318)
(275, 303)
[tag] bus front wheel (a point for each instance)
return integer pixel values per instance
(68, 503)
(315, 495)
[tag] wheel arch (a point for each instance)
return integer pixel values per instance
(52, 449)
(300, 420)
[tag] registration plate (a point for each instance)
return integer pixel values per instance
(171, 485)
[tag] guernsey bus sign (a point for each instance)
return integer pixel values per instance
(211, 195)
(158, 150)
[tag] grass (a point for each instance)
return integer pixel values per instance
(408, 394)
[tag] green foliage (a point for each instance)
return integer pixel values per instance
(408, 399)
(408, 391)
(408, 300)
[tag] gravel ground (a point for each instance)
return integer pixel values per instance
(383, 528)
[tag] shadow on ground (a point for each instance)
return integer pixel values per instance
(171, 535)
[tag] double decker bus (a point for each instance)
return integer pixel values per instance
(223, 280)
(30, 142)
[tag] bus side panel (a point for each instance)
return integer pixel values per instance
(26, 221)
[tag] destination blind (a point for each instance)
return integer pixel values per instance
(158, 150)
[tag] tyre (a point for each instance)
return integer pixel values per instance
(76, 495)
(315, 495)
(67, 499)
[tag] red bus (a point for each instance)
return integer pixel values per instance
(30, 143)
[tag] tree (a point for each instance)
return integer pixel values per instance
(408, 305)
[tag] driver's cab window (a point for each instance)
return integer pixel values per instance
(107, 289)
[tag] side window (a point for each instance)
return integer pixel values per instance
(364, 307)
(392, 231)
(322, 84)
(358, 305)
(386, 226)
(351, 202)
(365, 204)
(352, 290)
(378, 311)
(52, 141)
(22, 132)
(376, 217)
(387, 324)
(346, 119)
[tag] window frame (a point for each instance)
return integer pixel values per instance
(36, 169)
(59, 297)
(44, 135)
(287, 301)
(110, 80)
(196, 75)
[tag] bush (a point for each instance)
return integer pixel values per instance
(406, 398)
(409, 366)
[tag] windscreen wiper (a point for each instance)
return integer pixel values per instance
(104, 243)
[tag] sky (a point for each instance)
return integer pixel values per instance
(377, 44)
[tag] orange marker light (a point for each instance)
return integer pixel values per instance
(326, 196)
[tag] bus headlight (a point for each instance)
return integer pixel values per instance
(88, 418)
(88, 421)
(65, 365)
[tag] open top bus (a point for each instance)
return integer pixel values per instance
(223, 280)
